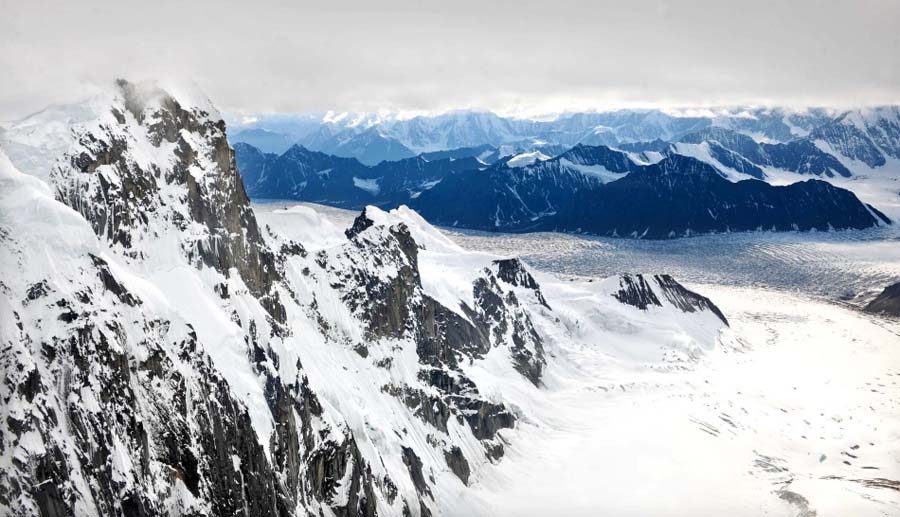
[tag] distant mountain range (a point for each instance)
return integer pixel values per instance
(691, 186)
(677, 196)
(314, 176)
(869, 136)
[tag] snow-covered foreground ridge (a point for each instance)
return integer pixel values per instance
(166, 354)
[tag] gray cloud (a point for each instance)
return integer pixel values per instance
(505, 55)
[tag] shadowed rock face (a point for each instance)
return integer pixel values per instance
(191, 438)
(499, 313)
(457, 463)
(641, 291)
(513, 272)
(635, 291)
(799, 155)
(888, 302)
(126, 201)
(390, 299)
(112, 381)
(305, 175)
(675, 197)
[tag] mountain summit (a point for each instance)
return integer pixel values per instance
(168, 354)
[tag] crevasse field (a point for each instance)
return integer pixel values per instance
(795, 412)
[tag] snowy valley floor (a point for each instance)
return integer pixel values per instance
(797, 412)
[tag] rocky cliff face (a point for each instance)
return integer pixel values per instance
(150, 167)
(642, 292)
(168, 355)
(743, 154)
(870, 136)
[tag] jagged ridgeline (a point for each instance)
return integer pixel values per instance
(629, 173)
(165, 354)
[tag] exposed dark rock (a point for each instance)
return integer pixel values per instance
(486, 419)
(37, 290)
(639, 291)
(502, 315)
(676, 197)
(111, 284)
(360, 224)
(446, 335)
(326, 468)
(686, 300)
(293, 248)
(494, 451)
(513, 272)
(800, 155)
(298, 174)
(395, 306)
(121, 210)
(879, 214)
(188, 430)
(430, 408)
(635, 291)
(414, 464)
(457, 463)
(48, 475)
(888, 302)
(386, 306)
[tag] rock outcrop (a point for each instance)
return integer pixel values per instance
(643, 291)
(888, 302)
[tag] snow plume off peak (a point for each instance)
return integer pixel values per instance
(169, 353)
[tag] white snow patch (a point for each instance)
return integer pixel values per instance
(595, 171)
(368, 184)
(525, 159)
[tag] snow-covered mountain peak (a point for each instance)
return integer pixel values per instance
(426, 236)
(172, 349)
(525, 159)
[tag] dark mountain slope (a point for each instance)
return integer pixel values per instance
(304, 175)
(675, 197)
(682, 196)
(517, 198)
(800, 155)
(888, 302)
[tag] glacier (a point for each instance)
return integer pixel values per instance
(171, 349)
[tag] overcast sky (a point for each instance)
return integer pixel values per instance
(509, 56)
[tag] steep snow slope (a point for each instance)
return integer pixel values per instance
(167, 354)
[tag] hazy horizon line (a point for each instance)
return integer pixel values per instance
(240, 116)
